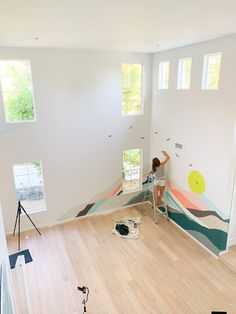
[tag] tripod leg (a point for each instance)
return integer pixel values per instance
(30, 219)
(17, 217)
(19, 232)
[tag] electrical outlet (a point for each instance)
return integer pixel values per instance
(177, 145)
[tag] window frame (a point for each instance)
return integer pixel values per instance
(31, 211)
(205, 72)
(33, 97)
(140, 168)
(161, 75)
(181, 73)
(141, 91)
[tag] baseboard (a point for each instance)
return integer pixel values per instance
(186, 232)
(223, 252)
(108, 211)
(104, 212)
(231, 242)
(60, 222)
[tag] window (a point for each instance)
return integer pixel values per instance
(17, 91)
(29, 186)
(184, 73)
(132, 89)
(132, 170)
(211, 71)
(164, 68)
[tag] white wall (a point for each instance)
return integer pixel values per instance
(3, 246)
(232, 226)
(78, 104)
(202, 121)
(4, 257)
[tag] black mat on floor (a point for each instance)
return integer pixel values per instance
(14, 256)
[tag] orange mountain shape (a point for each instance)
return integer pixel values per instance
(189, 200)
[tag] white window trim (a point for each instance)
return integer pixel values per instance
(141, 172)
(205, 71)
(33, 211)
(142, 93)
(180, 74)
(2, 99)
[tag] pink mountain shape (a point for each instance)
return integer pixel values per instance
(192, 203)
(196, 200)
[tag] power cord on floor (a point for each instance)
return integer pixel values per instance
(85, 290)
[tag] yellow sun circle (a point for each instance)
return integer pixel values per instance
(196, 182)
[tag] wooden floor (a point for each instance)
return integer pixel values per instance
(229, 258)
(163, 271)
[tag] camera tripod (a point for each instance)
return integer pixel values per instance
(18, 213)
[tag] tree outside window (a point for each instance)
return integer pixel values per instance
(184, 73)
(17, 91)
(131, 89)
(211, 71)
(164, 68)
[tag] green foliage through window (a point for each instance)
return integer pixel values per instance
(131, 89)
(211, 71)
(164, 68)
(184, 73)
(17, 93)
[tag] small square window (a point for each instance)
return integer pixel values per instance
(17, 90)
(132, 170)
(211, 71)
(132, 77)
(164, 68)
(29, 186)
(184, 73)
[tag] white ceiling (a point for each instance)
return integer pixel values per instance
(129, 25)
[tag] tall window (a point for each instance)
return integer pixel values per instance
(132, 89)
(17, 91)
(132, 169)
(211, 71)
(29, 186)
(184, 73)
(164, 68)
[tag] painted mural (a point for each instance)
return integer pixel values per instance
(197, 215)
(112, 198)
(190, 207)
(191, 210)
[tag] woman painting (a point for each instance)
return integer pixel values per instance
(158, 169)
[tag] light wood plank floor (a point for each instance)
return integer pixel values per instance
(229, 258)
(163, 271)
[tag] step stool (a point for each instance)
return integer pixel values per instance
(157, 210)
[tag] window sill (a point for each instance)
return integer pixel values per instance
(21, 121)
(36, 211)
(131, 191)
